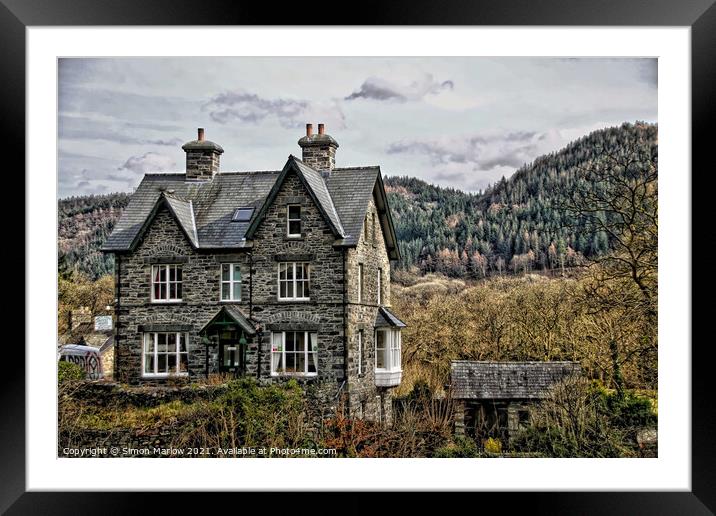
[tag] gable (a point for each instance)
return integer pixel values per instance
(315, 188)
(352, 190)
(179, 210)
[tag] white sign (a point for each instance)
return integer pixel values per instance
(103, 322)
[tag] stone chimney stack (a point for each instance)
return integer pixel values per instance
(319, 150)
(202, 158)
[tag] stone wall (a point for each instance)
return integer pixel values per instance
(366, 400)
(164, 241)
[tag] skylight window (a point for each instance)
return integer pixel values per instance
(242, 214)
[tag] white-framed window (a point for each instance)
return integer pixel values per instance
(293, 220)
(230, 282)
(360, 282)
(387, 350)
(360, 352)
(294, 353)
(294, 281)
(164, 354)
(166, 283)
(380, 286)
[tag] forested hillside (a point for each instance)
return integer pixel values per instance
(83, 225)
(519, 224)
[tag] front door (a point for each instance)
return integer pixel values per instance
(231, 354)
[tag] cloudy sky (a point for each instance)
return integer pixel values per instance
(461, 122)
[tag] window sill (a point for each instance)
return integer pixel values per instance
(167, 302)
(294, 375)
(164, 375)
(229, 301)
(295, 300)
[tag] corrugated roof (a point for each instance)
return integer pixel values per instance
(387, 318)
(507, 380)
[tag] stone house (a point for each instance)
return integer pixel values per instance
(273, 274)
(494, 399)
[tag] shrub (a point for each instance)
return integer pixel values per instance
(68, 371)
(247, 414)
(461, 447)
(493, 446)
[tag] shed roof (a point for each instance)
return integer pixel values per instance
(507, 380)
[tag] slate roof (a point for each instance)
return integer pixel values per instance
(204, 209)
(507, 380)
(387, 318)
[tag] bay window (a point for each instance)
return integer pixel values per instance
(294, 353)
(387, 350)
(230, 282)
(388, 372)
(294, 281)
(166, 283)
(164, 354)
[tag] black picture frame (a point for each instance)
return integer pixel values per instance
(16, 15)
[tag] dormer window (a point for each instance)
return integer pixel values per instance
(293, 223)
(242, 214)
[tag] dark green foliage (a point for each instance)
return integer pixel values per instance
(517, 224)
(84, 223)
(68, 371)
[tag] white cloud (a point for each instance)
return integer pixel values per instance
(149, 162)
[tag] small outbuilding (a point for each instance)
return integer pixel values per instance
(493, 399)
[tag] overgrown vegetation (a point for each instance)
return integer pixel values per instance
(583, 419)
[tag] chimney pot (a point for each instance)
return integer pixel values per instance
(309, 129)
(201, 134)
(321, 128)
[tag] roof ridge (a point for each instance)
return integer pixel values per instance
(357, 168)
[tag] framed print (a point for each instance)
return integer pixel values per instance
(416, 254)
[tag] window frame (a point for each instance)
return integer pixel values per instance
(380, 286)
(180, 336)
(361, 275)
(360, 352)
(392, 340)
(231, 282)
(294, 281)
(289, 220)
(179, 284)
(373, 226)
(306, 352)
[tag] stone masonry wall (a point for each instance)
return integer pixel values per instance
(365, 397)
(165, 241)
(324, 311)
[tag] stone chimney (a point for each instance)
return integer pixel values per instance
(319, 150)
(202, 158)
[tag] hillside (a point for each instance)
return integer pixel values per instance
(83, 225)
(515, 225)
